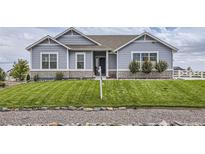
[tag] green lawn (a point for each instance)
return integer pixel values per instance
(130, 93)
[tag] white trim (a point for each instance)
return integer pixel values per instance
(145, 41)
(30, 59)
(49, 60)
(80, 53)
(150, 35)
(107, 63)
(117, 66)
(81, 70)
(157, 52)
(92, 62)
(44, 38)
(51, 70)
(129, 70)
(112, 70)
(67, 59)
(75, 30)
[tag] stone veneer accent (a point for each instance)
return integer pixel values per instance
(81, 74)
(112, 74)
(141, 75)
(48, 74)
(67, 74)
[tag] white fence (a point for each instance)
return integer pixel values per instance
(189, 74)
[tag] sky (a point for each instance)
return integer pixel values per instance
(189, 41)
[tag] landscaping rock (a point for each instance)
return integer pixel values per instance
(148, 124)
(26, 109)
(43, 108)
(163, 123)
(5, 109)
(55, 124)
(96, 109)
(122, 108)
(103, 108)
(63, 108)
(72, 108)
(88, 109)
(109, 108)
(57, 108)
(176, 123)
(80, 108)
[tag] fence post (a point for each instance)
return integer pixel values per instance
(178, 73)
(190, 74)
(202, 73)
(100, 71)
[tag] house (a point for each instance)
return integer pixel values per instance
(176, 68)
(77, 55)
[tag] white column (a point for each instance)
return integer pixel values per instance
(67, 59)
(117, 66)
(107, 56)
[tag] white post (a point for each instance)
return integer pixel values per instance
(178, 73)
(190, 74)
(202, 74)
(100, 71)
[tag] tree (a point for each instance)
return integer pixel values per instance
(147, 67)
(189, 69)
(2, 75)
(161, 66)
(134, 67)
(20, 69)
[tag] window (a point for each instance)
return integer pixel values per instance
(143, 56)
(80, 60)
(49, 61)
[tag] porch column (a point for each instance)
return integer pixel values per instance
(107, 63)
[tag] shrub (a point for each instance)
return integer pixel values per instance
(36, 78)
(161, 66)
(2, 84)
(20, 70)
(134, 67)
(2, 75)
(147, 67)
(28, 78)
(59, 76)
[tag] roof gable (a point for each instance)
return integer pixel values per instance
(46, 39)
(75, 34)
(146, 37)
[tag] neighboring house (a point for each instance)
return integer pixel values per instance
(177, 68)
(78, 55)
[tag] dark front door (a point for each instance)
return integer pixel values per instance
(102, 63)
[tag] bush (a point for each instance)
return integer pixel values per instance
(35, 78)
(134, 67)
(2, 84)
(147, 67)
(161, 66)
(2, 75)
(59, 76)
(28, 78)
(20, 70)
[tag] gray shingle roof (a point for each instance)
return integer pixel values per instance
(108, 42)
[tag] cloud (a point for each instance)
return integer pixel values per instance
(190, 41)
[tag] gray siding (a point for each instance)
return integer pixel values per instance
(124, 55)
(74, 40)
(88, 56)
(36, 53)
(112, 61)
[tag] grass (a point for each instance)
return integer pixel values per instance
(129, 93)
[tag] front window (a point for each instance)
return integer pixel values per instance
(49, 61)
(80, 61)
(142, 57)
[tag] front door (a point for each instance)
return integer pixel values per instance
(102, 63)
